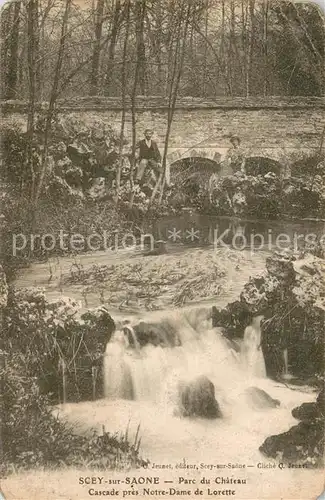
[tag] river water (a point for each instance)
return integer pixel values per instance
(193, 447)
(141, 387)
(192, 228)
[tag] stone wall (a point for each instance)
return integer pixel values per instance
(278, 128)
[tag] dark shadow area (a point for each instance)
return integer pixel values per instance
(195, 168)
(258, 165)
(310, 166)
(189, 178)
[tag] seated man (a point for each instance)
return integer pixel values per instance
(148, 155)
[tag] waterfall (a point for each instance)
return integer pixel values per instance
(285, 358)
(152, 373)
(251, 351)
(117, 376)
(286, 375)
(62, 370)
(150, 385)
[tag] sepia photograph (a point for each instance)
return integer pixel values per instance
(162, 249)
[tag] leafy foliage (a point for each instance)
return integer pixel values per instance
(291, 296)
(77, 153)
(34, 436)
(259, 192)
(38, 339)
(59, 344)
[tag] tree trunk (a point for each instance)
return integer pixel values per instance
(250, 48)
(174, 88)
(205, 63)
(222, 65)
(110, 87)
(53, 97)
(5, 44)
(223, 16)
(160, 70)
(244, 41)
(232, 43)
(12, 65)
(265, 46)
(31, 61)
(125, 51)
(96, 50)
(112, 47)
(139, 77)
(38, 76)
(2, 408)
(140, 46)
(153, 28)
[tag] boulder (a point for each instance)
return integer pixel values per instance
(303, 443)
(295, 283)
(306, 412)
(197, 398)
(162, 333)
(281, 265)
(309, 290)
(97, 190)
(159, 248)
(98, 323)
(233, 319)
(259, 292)
(58, 188)
(260, 399)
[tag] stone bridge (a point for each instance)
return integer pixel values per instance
(278, 128)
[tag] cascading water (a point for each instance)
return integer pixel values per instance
(117, 376)
(252, 355)
(153, 373)
(143, 384)
(286, 374)
(285, 359)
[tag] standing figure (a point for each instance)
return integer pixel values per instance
(235, 159)
(252, 355)
(149, 158)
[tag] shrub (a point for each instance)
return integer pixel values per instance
(32, 436)
(291, 296)
(59, 344)
(309, 166)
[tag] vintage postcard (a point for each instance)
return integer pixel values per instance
(162, 278)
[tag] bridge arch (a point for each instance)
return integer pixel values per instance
(184, 153)
(193, 169)
(200, 169)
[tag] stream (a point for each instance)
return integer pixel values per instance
(175, 445)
